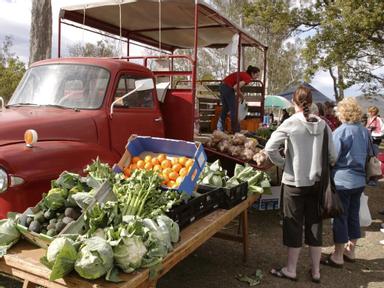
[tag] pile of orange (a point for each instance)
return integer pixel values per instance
(171, 169)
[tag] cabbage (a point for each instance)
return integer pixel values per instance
(129, 253)
(95, 258)
(61, 257)
(55, 198)
(9, 235)
(8, 232)
(173, 227)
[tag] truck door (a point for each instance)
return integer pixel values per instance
(139, 113)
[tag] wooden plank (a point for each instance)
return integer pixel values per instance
(23, 259)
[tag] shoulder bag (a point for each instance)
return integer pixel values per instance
(373, 165)
(330, 205)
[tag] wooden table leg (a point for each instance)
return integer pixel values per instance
(244, 216)
(27, 284)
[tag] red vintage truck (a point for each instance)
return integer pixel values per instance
(82, 108)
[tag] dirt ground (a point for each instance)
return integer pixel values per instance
(217, 262)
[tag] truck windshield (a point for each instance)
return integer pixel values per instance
(65, 85)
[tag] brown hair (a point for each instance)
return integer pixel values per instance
(374, 110)
(320, 107)
(303, 99)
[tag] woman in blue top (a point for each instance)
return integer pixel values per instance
(352, 146)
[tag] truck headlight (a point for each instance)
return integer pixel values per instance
(3, 180)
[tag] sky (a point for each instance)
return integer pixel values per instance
(15, 17)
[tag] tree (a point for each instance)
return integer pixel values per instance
(285, 67)
(103, 48)
(41, 31)
(11, 69)
(346, 37)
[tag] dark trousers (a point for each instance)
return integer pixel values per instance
(347, 226)
(228, 100)
(300, 206)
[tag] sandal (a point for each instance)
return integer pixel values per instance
(314, 279)
(280, 274)
(329, 262)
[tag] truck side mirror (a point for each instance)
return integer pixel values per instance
(140, 85)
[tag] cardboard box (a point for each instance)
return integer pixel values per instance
(269, 202)
(145, 145)
(103, 194)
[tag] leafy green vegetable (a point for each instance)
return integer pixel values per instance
(258, 181)
(128, 254)
(9, 235)
(56, 198)
(66, 180)
(100, 171)
(60, 258)
(134, 192)
(94, 259)
(213, 175)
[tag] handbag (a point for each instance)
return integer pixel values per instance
(373, 166)
(330, 205)
(364, 213)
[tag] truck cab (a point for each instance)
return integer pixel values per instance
(68, 102)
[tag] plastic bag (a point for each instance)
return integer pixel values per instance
(243, 110)
(365, 214)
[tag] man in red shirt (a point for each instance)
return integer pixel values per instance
(228, 97)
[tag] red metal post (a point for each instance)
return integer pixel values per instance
(194, 63)
(238, 80)
(264, 83)
(59, 40)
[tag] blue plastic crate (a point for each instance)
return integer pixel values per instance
(138, 145)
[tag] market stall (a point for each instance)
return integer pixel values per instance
(23, 260)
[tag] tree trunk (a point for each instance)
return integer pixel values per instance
(334, 83)
(41, 31)
(340, 80)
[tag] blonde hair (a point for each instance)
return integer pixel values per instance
(349, 111)
(373, 109)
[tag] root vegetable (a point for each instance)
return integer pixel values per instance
(250, 144)
(223, 146)
(238, 139)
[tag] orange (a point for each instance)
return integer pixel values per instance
(127, 171)
(148, 166)
(166, 164)
(183, 171)
(171, 183)
(155, 161)
(161, 157)
(148, 158)
(176, 167)
(175, 160)
(165, 179)
(135, 159)
(179, 180)
(140, 164)
(173, 175)
(166, 171)
(182, 160)
(133, 166)
(189, 163)
(157, 167)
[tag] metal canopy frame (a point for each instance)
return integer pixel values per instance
(75, 14)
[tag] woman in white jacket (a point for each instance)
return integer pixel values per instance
(302, 135)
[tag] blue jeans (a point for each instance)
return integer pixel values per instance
(347, 226)
(228, 100)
